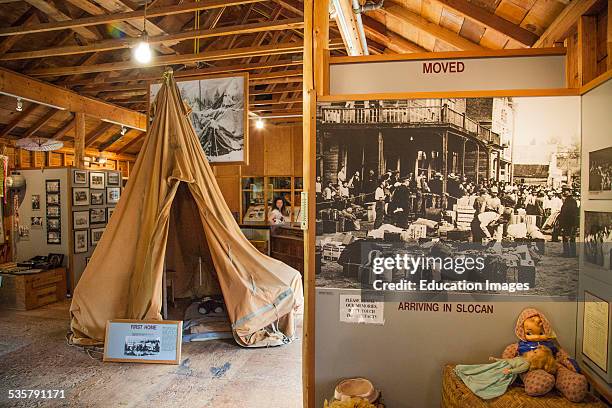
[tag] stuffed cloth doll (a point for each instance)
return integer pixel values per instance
(493, 379)
(533, 329)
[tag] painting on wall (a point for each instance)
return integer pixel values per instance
(219, 115)
(600, 174)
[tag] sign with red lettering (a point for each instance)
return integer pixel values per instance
(443, 67)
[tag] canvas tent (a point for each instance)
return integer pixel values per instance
(172, 183)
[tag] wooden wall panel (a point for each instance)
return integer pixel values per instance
(230, 188)
(297, 135)
(227, 171)
(256, 153)
(278, 154)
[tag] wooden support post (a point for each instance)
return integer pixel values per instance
(587, 48)
(79, 140)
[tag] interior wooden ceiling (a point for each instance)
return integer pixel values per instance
(84, 45)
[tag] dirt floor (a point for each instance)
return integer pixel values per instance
(34, 355)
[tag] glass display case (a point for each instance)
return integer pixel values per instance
(259, 193)
(253, 200)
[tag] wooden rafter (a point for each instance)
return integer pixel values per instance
(393, 41)
(565, 21)
(95, 134)
(490, 20)
(16, 84)
(287, 48)
(55, 14)
(120, 17)
(6, 130)
(109, 45)
(66, 127)
(40, 123)
(395, 10)
(28, 18)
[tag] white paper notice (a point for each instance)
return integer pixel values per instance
(354, 310)
(596, 329)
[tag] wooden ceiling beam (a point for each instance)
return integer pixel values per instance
(55, 14)
(6, 130)
(559, 29)
(28, 18)
(15, 84)
(67, 127)
(405, 16)
(95, 134)
(131, 143)
(121, 17)
(124, 43)
(490, 20)
(291, 6)
(40, 123)
(286, 48)
(115, 138)
(387, 38)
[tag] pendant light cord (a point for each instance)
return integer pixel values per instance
(144, 23)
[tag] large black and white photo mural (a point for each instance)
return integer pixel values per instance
(218, 115)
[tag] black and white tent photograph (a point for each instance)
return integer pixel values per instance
(218, 115)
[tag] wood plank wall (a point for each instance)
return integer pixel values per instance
(273, 151)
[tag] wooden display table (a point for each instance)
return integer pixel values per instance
(32, 290)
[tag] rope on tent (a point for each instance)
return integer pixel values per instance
(89, 350)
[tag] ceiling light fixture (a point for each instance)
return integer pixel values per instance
(259, 124)
(142, 51)
(19, 105)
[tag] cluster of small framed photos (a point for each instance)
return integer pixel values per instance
(54, 221)
(93, 188)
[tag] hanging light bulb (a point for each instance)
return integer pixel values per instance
(259, 124)
(19, 105)
(142, 51)
(411, 138)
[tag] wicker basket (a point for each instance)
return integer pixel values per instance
(456, 395)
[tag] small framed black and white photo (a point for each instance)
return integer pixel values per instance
(112, 195)
(96, 198)
(97, 215)
(36, 222)
(96, 235)
(53, 211)
(54, 237)
(80, 196)
(96, 180)
(35, 202)
(53, 199)
(79, 177)
(113, 179)
(109, 213)
(80, 241)
(54, 224)
(80, 219)
(52, 186)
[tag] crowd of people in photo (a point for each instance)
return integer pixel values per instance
(400, 200)
(600, 176)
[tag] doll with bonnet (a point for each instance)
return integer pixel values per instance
(493, 379)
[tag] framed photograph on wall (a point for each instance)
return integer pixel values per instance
(112, 195)
(53, 199)
(53, 210)
(600, 174)
(80, 241)
(143, 341)
(96, 180)
(96, 197)
(96, 235)
(79, 177)
(598, 238)
(97, 215)
(36, 222)
(54, 224)
(80, 196)
(80, 219)
(54, 237)
(113, 179)
(56, 260)
(109, 212)
(222, 101)
(52, 186)
(35, 202)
